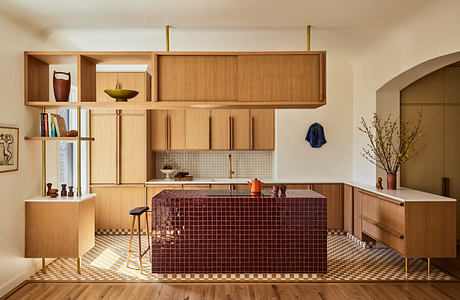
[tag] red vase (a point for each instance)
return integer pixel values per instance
(61, 87)
(391, 181)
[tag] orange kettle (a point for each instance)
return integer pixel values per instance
(256, 186)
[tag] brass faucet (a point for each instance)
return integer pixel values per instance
(230, 171)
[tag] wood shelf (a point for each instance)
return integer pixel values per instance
(61, 138)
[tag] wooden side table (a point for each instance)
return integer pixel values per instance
(62, 227)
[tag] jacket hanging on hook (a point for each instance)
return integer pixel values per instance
(315, 136)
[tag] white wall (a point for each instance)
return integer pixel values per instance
(19, 185)
(293, 157)
(430, 33)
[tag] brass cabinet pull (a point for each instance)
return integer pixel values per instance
(252, 133)
(210, 133)
(166, 133)
(230, 133)
(169, 132)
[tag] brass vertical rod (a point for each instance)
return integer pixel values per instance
(167, 37)
(43, 164)
(44, 265)
(308, 37)
(78, 265)
(428, 266)
(406, 265)
(79, 152)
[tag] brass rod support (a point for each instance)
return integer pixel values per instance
(308, 37)
(78, 265)
(79, 152)
(406, 265)
(43, 164)
(167, 37)
(44, 265)
(428, 266)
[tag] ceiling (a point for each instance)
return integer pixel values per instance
(326, 14)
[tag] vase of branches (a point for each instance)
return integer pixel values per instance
(391, 144)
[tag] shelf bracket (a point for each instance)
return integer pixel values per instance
(44, 163)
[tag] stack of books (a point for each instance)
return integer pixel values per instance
(52, 125)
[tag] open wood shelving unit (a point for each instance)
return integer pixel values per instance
(60, 138)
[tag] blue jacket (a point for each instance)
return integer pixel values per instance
(315, 135)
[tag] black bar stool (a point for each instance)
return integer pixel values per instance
(137, 212)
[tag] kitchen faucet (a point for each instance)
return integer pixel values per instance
(230, 171)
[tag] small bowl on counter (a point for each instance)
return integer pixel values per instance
(168, 172)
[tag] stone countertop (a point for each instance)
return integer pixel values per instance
(60, 199)
(402, 194)
(200, 194)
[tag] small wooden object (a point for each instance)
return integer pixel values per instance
(186, 178)
(283, 189)
(63, 190)
(49, 185)
(71, 193)
(379, 185)
(275, 190)
(53, 193)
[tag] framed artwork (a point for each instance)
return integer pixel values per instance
(9, 149)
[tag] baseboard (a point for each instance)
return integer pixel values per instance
(11, 284)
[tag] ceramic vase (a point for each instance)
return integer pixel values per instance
(391, 181)
(61, 87)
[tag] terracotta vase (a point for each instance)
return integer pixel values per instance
(61, 87)
(391, 181)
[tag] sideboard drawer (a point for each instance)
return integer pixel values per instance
(386, 236)
(392, 216)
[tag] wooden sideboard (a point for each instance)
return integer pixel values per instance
(414, 229)
(59, 228)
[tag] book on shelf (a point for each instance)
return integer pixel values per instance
(52, 125)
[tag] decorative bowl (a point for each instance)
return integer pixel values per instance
(168, 172)
(121, 95)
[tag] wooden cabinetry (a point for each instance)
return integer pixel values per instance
(59, 228)
(103, 153)
(113, 204)
(348, 208)
(334, 194)
(197, 129)
(220, 129)
(413, 229)
(168, 130)
(262, 129)
(280, 78)
(240, 129)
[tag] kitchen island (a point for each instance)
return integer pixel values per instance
(194, 232)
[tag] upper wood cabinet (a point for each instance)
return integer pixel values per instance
(197, 129)
(262, 129)
(168, 129)
(197, 77)
(104, 148)
(220, 129)
(270, 77)
(280, 78)
(240, 129)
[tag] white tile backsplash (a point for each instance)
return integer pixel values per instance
(214, 164)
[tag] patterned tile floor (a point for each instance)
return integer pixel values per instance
(347, 261)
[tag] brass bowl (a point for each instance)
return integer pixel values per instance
(121, 95)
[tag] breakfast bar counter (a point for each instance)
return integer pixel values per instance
(196, 232)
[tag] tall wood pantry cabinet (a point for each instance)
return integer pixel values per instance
(120, 162)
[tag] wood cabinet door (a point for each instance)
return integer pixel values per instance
(425, 171)
(262, 129)
(105, 81)
(280, 77)
(104, 148)
(452, 155)
(158, 129)
(348, 208)
(176, 129)
(220, 129)
(134, 81)
(357, 213)
(333, 192)
(240, 129)
(197, 129)
(197, 77)
(133, 148)
(114, 203)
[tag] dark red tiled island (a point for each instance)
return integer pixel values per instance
(197, 233)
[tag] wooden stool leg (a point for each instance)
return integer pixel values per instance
(148, 235)
(130, 241)
(140, 241)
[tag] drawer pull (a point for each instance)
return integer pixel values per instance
(383, 227)
(382, 198)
